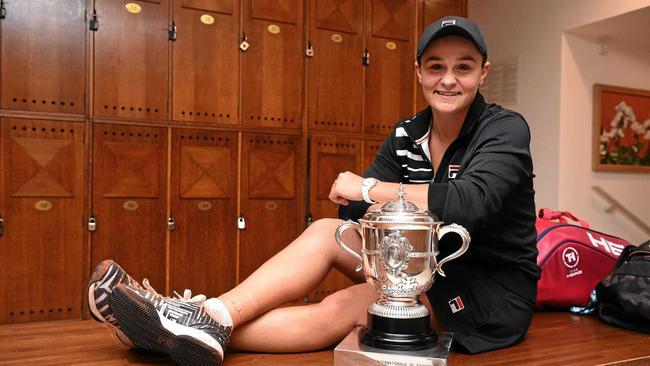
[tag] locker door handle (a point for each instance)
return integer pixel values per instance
(366, 58)
(93, 24)
(2, 226)
(244, 42)
(92, 224)
(171, 224)
(171, 32)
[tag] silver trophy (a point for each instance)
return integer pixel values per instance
(398, 256)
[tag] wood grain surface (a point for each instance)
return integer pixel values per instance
(554, 339)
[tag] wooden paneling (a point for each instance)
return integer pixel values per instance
(206, 61)
(131, 60)
(42, 194)
(42, 56)
(128, 199)
(204, 206)
(273, 64)
(335, 70)
(370, 150)
(329, 156)
(389, 77)
(433, 10)
(271, 197)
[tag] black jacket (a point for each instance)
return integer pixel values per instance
(484, 183)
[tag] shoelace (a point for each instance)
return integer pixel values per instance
(187, 294)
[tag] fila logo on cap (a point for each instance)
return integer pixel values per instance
(448, 22)
(453, 171)
(456, 304)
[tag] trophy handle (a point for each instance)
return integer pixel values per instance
(339, 231)
(464, 236)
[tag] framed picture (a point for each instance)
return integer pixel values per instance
(621, 132)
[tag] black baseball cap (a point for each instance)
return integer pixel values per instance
(452, 25)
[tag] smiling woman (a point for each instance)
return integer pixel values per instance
(465, 161)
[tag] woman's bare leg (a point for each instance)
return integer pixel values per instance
(293, 272)
(308, 327)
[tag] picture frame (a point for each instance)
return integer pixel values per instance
(621, 129)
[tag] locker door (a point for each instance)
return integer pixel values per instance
(42, 244)
(272, 65)
(272, 197)
(131, 59)
(335, 70)
(206, 61)
(389, 77)
(330, 155)
(42, 56)
(433, 10)
(370, 149)
(203, 252)
(129, 175)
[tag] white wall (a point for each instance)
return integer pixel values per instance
(582, 67)
(555, 98)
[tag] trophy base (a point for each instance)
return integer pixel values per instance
(398, 334)
(351, 352)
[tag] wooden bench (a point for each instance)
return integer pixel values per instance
(554, 339)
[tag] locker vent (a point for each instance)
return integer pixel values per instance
(205, 138)
(131, 134)
(336, 144)
(265, 141)
(381, 127)
(42, 129)
(266, 118)
(333, 123)
(205, 114)
(19, 313)
(41, 101)
(132, 109)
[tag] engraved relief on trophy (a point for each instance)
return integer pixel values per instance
(395, 251)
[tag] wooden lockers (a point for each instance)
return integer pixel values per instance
(189, 140)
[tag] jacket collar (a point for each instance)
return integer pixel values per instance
(419, 126)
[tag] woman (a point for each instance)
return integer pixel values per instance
(466, 161)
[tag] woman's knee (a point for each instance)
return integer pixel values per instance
(324, 225)
(349, 305)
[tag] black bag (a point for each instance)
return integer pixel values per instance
(624, 295)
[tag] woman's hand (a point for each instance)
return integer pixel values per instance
(346, 188)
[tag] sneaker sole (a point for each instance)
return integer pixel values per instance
(140, 322)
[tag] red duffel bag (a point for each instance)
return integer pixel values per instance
(573, 259)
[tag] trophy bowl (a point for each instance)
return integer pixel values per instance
(398, 256)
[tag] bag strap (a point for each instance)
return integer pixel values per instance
(561, 216)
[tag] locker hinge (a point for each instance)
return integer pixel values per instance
(365, 61)
(93, 24)
(171, 32)
(309, 51)
(244, 42)
(171, 224)
(92, 224)
(2, 226)
(241, 223)
(3, 10)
